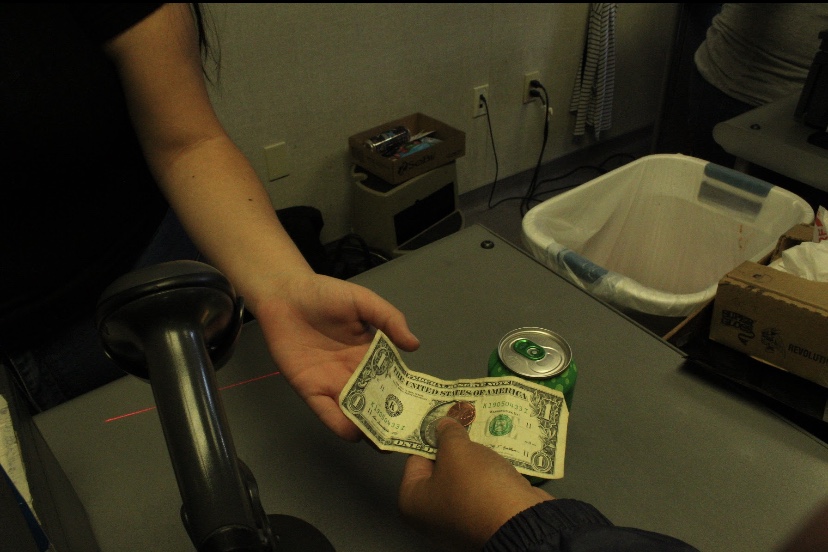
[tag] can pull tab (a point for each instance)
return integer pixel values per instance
(528, 349)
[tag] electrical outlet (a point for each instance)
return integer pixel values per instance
(276, 157)
(479, 106)
(527, 78)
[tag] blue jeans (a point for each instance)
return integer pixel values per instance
(73, 362)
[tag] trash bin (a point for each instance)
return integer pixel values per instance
(655, 236)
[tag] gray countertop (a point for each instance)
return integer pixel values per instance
(771, 137)
(650, 443)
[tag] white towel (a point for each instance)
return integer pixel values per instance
(594, 85)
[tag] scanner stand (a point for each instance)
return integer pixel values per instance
(170, 324)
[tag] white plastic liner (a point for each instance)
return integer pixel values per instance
(656, 235)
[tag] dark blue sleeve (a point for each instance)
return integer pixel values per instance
(575, 526)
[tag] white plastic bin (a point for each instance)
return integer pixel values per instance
(655, 236)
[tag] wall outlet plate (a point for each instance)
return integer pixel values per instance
(527, 78)
(479, 106)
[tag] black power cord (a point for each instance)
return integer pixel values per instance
(524, 199)
(600, 169)
(536, 85)
(494, 151)
(532, 194)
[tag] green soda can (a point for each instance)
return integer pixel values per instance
(538, 355)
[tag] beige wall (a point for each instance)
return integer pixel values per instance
(311, 75)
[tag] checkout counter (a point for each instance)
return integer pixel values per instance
(787, 136)
(652, 442)
(770, 136)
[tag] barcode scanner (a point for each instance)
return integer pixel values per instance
(173, 324)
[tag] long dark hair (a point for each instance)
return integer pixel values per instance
(210, 56)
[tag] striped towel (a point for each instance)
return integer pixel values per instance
(594, 85)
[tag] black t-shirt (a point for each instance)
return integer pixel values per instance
(78, 202)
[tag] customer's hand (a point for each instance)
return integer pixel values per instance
(463, 497)
(318, 329)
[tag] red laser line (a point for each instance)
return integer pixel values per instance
(148, 409)
(257, 378)
(130, 414)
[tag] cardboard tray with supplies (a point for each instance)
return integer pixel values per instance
(773, 316)
(393, 170)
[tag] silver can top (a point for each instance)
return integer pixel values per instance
(534, 352)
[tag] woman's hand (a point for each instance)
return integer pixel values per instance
(318, 329)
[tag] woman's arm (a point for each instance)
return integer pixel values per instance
(317, 328)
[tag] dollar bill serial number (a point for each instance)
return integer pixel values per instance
(515, 407)
(378, 412)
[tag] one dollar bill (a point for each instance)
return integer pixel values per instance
(398, 409)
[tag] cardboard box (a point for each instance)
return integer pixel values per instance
(796, 235)
(395, 171)
(774, 316)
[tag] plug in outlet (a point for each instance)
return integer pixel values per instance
(527, 78)
(479, 106)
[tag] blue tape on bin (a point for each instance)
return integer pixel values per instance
(737, 179)
(585, 269)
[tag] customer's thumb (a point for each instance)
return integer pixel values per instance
(449, 429)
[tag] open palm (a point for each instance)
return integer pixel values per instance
(318, 329)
